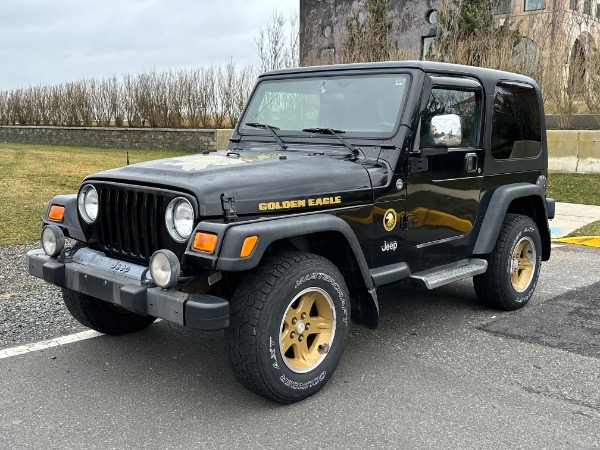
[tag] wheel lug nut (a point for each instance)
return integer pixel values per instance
(292, 335)
(301, 338)
(307, 326)
(303, 316)
(294, 320)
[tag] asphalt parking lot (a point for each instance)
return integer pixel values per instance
(439, 372)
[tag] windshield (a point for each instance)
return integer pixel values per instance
(350, 104)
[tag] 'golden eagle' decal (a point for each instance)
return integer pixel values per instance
(389, 219)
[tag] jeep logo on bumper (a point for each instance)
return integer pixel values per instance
(121, 267)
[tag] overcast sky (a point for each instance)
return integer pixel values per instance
(52, 41)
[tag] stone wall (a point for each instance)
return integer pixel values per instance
(150, 138)
(574, 151)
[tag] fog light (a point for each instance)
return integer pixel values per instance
(164, 268)
(53, 240)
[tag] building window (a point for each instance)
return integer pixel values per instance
(432, 17)
(532, 5)
(428, 46)
(598, 9)
(587, 6)
(574, 5)
(503, 7)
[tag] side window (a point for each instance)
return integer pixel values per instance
(464, 103)
(516, 124)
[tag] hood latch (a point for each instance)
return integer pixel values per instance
(228, 204)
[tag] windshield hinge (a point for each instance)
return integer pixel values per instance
(414, 165)
(228, 204)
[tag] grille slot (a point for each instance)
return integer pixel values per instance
(130, 221)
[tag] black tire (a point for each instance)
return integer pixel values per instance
(270, 356)
(103, 316)
(513, 266)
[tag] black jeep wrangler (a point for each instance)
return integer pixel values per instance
(337, 180)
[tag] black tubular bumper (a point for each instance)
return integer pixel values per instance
(121, 283)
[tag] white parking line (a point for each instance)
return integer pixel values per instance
(43, 345)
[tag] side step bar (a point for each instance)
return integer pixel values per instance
(438, 276)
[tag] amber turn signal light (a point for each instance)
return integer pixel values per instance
(56, 212)
(248, 246)
(205, 242)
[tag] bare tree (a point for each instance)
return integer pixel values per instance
(4, 107)
(207, 91)
(190, 81)
(277, 44)
(207, 97)
(593, 87)
(243, 89)
(227, 84)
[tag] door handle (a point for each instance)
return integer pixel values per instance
(471, 163)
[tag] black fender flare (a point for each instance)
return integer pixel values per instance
(70, 223)
(496, 209)
(269, 231)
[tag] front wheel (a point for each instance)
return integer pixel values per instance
(513, 266)
(103, 316)
(289, 323)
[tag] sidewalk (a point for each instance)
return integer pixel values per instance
(569, 217)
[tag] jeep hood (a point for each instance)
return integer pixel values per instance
(260, 182)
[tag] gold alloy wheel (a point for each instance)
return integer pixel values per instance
(523, 264)
(307, 330)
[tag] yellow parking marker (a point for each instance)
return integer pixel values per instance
(590, 241)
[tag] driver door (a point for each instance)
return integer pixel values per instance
(444, 182)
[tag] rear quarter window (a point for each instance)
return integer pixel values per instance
(516, 122)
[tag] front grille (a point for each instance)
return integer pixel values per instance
(130, 221)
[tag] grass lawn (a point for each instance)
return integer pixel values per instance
(575, 188)
(30, 175)
(591, 229)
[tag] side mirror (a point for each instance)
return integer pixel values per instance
(445, 130)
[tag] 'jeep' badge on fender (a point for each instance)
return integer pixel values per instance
(389, 219)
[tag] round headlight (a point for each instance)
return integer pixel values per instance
(53, 240)
(87, 203)
(179, 218)
(164, 268)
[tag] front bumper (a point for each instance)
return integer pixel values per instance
(124, 284)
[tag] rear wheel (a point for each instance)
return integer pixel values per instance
(513, 266)
(289, 323)
(103, 316)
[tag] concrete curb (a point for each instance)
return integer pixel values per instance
(588, 241)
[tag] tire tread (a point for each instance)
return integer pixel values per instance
(102, 316)
(246, 308)
(489, 286)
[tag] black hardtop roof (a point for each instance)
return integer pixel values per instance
(426, 66)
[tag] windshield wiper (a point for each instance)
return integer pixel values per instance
(271, 128)
(335, 133)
